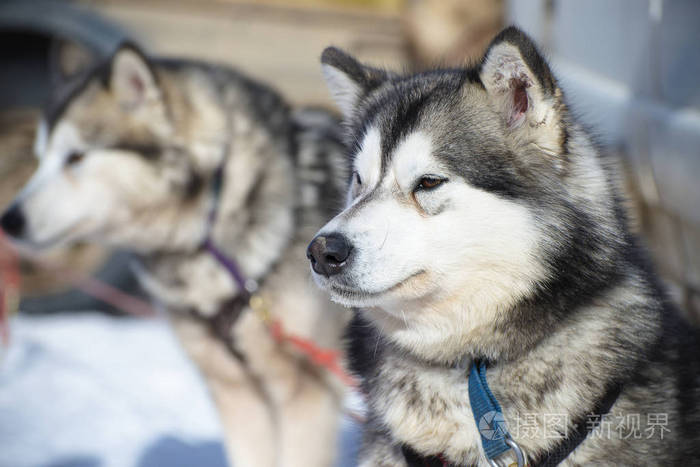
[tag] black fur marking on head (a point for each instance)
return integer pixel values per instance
(406, 118)
(398, 108)
(150, 151)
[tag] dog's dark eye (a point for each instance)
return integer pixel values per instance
(358, 180)
(428, 183)
(74, 158)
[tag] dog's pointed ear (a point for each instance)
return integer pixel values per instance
(131, 78)
(522, 87)
(68, 59)
(348, 80)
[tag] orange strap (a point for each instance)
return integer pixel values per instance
(325, 358)
(9, 287)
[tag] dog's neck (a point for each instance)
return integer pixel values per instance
(255, 233)
(443, 333)
(254, 216)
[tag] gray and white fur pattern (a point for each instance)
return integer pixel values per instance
(483, 222)
(128, 152)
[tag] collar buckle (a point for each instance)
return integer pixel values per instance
(520, 457)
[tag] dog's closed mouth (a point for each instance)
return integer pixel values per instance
(31, 245)
(350, 292)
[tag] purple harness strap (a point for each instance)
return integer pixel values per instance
(222, 322)
(229, 264)
(246, 286)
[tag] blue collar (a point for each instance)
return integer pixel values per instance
(488, 415)
(495, 438)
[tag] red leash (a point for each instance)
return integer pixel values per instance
(9, 287)
(325, 358)
(115, 297)
(328, 359)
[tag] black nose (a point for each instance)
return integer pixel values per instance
(12, 221)
(328, 253)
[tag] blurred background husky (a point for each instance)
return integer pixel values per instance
(161, 157)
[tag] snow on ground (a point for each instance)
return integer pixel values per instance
(91, 390)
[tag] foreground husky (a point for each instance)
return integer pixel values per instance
(159, 156)
(484, 230)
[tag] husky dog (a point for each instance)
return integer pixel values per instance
(483, 224)
(158, 155)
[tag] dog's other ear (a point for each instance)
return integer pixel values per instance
(131, 78)
(523, 89)
(68, 59)
(348, 80)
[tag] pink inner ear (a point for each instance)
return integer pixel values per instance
(520, 101)
(136, 84)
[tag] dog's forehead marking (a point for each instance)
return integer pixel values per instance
(368, 160)
(412, 158)
(53, 148)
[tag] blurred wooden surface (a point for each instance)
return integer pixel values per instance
(274, 42)
(451, 32)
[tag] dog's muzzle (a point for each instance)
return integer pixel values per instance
(329, 254)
